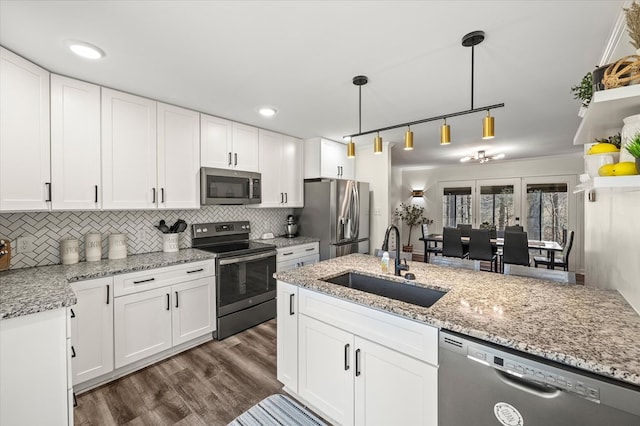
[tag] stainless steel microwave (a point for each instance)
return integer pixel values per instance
(221, 186)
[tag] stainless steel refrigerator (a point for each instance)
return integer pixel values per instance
(337, 212)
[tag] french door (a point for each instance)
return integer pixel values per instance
(544, 206)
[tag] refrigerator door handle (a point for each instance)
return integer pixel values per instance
(355, 212)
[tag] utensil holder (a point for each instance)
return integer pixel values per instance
(170, 243)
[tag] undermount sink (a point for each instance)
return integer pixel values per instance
(408, 293)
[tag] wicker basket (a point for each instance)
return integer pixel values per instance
(622, 73)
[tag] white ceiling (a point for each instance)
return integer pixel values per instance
(228, 58)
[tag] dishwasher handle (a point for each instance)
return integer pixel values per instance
(529, 386)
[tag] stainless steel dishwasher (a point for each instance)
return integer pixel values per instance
(483, 384)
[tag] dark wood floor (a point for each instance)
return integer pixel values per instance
(207, 385)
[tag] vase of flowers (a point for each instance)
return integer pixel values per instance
(412, 215)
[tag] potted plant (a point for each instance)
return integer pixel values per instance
(491, 227)
(633, 146)
(411, 215)
(584, 90)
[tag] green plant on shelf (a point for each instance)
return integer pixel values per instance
(613, 140)
(633, 146)
(584, 90)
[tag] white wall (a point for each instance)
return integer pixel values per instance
(375, 169)
(428, 179)
(612, 243)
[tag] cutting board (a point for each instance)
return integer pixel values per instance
(5, 259)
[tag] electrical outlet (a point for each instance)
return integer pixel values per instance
(26, 244)
(142, 235)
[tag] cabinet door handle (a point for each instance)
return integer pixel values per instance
(75, 401)
(73, 352)
(286, 198)
(310, 249)
(338, 170)
(357, 362)
(281, 197)
(153, 191)
(144, 281)
(177, 304)
(108, 290)
(301, 263)
(48, 184)
(168, 302)
(195, 270)
(162, 195)
(229, 159)
(291, 311)
(235, 159)
(287, 254)
(95, 199)
(73, 314)
(346, 357)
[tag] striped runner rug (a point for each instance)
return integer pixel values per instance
(277, 410)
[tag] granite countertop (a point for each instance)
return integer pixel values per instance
(282, 242)
(591, 329)
(31, 290)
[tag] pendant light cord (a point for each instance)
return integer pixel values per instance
(472, 62)
(359, 109)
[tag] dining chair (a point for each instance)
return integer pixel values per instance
(452, 243)
(513, 228)
(428, 247)
(464, 228)
(456, 262)
(559, 260)
(543, 274)
(480, 247)
(516, 249)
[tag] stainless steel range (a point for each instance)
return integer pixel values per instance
(245, 287)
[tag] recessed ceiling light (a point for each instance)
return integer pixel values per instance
(267, 111)
(85, 50)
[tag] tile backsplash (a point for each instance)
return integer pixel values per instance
(48, 228)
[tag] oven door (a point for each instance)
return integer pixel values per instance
(245, 281)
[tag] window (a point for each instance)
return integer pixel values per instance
(497, 205)
(456, 206)
(547, 211)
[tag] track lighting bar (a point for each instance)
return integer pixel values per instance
(426, 120)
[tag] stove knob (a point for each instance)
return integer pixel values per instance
(198, 230)
(204, 229)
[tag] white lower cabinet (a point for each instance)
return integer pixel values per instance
(357, 365)
(92, 329)
(142, 325)
(159, 309)
(297, 256)
(287, 329)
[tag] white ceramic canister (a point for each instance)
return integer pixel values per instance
(629, 130)
(93, 247)
(170, 243)
(69, 251)
(117, 246)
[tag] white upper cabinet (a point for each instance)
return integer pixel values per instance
(281, 164)
(178, 157)
(75, 145)
(245, 147)
(216, 136)
(228, 145)
(25, 174)
(327, 159)
(129, 155)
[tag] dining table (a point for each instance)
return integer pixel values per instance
(551, 247)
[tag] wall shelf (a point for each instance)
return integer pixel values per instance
(613, 183)
(604, 116)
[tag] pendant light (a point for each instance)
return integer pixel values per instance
(445, 133)
(488, 131)
(359, 80)
(408, 140)
(471, 40)
(377, 144)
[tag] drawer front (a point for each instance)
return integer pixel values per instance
(288, 253)
(403, 335)
(155, 278)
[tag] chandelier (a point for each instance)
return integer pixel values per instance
(481, 157)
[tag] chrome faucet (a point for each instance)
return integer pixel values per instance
(385, 247)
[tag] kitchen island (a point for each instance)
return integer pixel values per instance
(590, 329)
